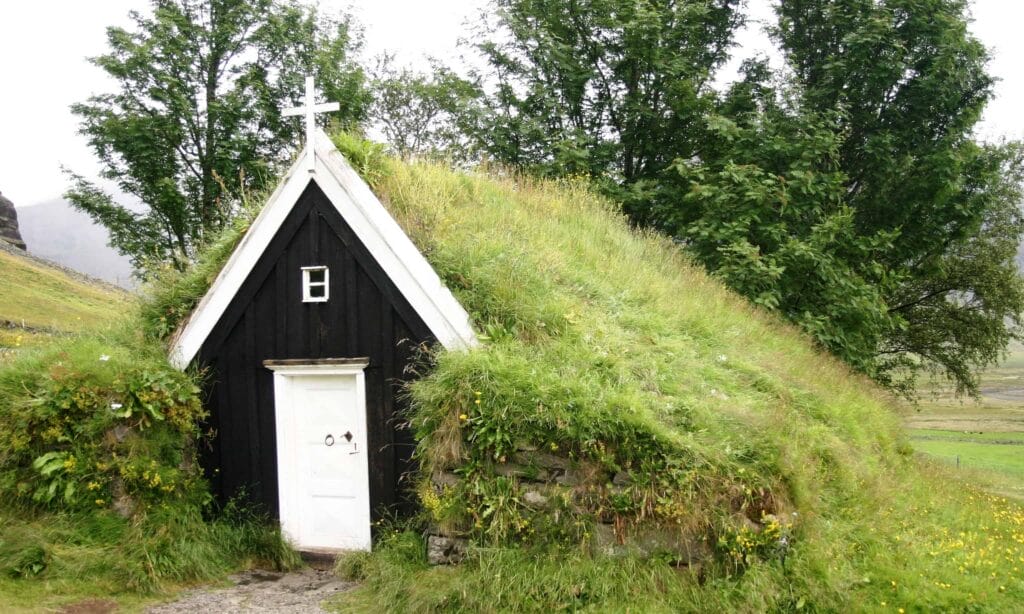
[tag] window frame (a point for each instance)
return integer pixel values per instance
(308, 284)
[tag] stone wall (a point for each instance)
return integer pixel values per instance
(9, 223)
(555, 484)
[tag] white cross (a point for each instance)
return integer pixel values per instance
(309, 109)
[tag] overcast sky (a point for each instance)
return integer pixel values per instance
(43, 46)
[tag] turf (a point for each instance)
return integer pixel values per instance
(593, 330)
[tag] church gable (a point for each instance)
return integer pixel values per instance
(359, 300)
(380, 236)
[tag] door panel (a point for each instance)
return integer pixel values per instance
(324, 489)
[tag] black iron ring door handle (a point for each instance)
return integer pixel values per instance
(329, 440)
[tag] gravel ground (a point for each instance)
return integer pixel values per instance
(261, 591)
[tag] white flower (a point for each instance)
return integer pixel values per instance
(104, 358)
(116, 406)
(722, 358)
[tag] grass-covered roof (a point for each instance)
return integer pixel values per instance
(606, 345)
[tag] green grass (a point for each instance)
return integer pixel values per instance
(1004, 459)
(50, 560)
(986, 434)
(609, 344)
(48, 298)
(82, 350)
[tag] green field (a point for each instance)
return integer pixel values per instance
(38, 301)
(984, 438)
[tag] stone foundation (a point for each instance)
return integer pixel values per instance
(549, 482)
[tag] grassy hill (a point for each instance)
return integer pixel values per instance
(791, 475)
(40, 299)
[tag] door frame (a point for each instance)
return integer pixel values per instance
(285, 415)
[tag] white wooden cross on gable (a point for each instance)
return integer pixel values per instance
(310, 109)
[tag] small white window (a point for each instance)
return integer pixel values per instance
(315, 284)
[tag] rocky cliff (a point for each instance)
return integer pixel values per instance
(9, 223)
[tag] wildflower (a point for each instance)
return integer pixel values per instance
(722, 358)
(93, 485)
(477, 401)
(463, 417)
(116, 406)
(104, 358)
(100, 501)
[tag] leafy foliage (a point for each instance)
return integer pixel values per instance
(608, 88)
(89, 423)
(101, 492)
(196, 122)
(424, 115)
(846, 192)
(893, 90)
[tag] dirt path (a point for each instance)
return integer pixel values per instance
(261, 591)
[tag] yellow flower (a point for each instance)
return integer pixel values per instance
(477, 401)
(463, 417)
(99, 501)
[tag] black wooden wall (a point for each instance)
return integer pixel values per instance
(366, 316)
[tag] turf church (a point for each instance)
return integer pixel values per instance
(306, 335)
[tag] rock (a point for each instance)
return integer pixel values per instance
(606, 542)
(526, 446)
(123, 503)
(646, 541)
(9, 223)
(622, 478)
(444, 478)
(540, 459)
(445, 550)
(512, 470)
(536, 499)
(570, 477)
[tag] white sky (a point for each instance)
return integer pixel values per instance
(43, 46)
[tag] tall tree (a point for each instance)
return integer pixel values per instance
(895, 87)
(612, 88)
(422, 114)
(196, 119)
(846, 191)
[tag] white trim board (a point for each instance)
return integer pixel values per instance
(369, 220)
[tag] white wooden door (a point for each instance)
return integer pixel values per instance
(323, 472)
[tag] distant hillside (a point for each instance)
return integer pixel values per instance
(37, 296)
(55, 231)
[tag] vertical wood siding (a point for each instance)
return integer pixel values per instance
(366, 316)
